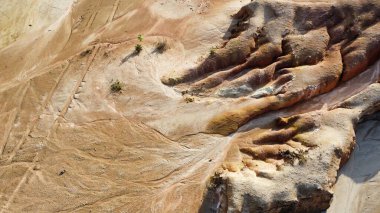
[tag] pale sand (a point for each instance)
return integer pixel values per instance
(67, 144)
(358, 186)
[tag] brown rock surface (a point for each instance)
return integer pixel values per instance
(230, 106)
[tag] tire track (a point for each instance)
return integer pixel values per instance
(79, 82)
(93, 16)
(12, 119)
(33, 123)
(69, 100)
(29, 170)
(8, 129)
(114, 9)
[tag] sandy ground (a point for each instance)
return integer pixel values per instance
(29, 17)
(358, 186)
(68, 144)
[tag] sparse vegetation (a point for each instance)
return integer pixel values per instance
(215, 181)
(172, 81)
(292, 156)
(212, 51)
(62, 172)
(189, 99)
(138, 48)
(116, 86)
(162, 46)
(85, 53)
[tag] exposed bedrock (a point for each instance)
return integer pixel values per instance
(290, 165)
(284, 59)
(275, 55)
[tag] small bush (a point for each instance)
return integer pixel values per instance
(85, 53)
(212, 51)
(140, 38)
(162, 46)
(189, 99)
(171, 81)
(116, 86)
(292, 156)
(138, 48)
(215, 181)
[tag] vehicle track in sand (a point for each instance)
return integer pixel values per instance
(31, 125)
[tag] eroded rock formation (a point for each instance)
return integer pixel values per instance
(298, 51)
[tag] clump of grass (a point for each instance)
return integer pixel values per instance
(138, 48)
(189, 99)
(140, 37)
(85, 53)
(162, 46)
(292, 156)
(116, 86)
(215, 181)
(212, 51)
(171, 81)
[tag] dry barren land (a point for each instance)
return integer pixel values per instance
(189, 106)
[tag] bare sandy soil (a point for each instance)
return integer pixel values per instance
(358, 185)
(67, 142)
(239, 112)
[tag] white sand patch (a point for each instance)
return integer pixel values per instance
(173, 9)
(358, 186)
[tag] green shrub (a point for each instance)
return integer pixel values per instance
(140, 38)
(162, 46)
(212, 51)
(138, 48)
(189, 99)
(116, 86)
